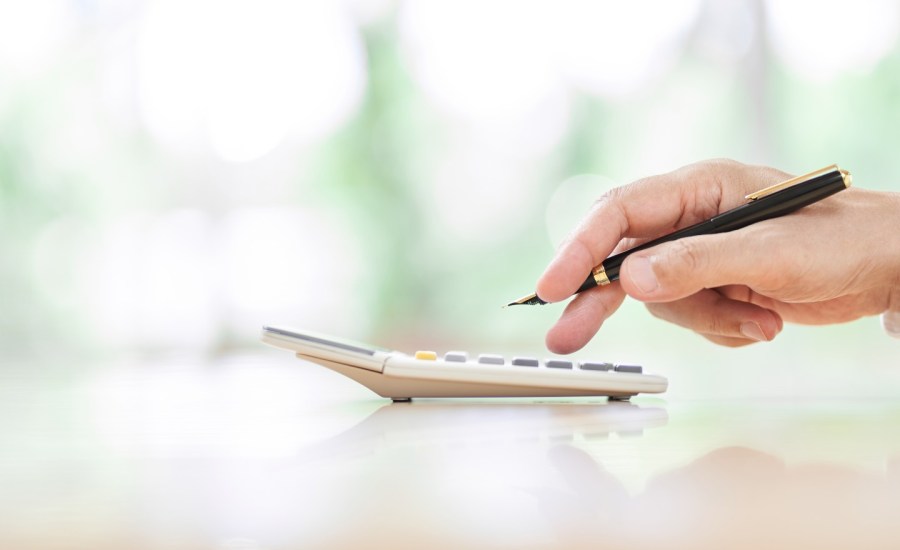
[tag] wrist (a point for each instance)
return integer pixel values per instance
(893, 304)
(890, 318)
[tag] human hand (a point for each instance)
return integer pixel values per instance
(833, 261)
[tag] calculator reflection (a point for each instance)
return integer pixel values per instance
(442, 423)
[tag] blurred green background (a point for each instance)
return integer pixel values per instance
(173, 175)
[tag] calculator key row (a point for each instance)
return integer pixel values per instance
(492, 359)
(584, 365)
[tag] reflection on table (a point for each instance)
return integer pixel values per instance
(256, 454)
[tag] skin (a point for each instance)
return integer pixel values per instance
(831, 262)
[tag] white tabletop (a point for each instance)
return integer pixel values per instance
(270, 452)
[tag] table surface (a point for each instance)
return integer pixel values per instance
(270, 453)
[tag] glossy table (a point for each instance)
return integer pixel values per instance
(268, 453)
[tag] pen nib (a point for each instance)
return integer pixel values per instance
(530, 300)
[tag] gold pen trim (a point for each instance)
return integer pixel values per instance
(845, 175)
(600, 277)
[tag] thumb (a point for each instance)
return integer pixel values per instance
(677, 269)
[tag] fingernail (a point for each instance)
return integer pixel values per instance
(753, 331)
(642, 274)
(890, 320)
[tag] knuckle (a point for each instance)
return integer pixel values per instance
(718, 326)
(611, 205)
(610, 202)
(725, 163)
(607, 197)
(713, 166)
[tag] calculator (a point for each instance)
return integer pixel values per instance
(401, 376)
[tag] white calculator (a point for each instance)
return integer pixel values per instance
(401, 376)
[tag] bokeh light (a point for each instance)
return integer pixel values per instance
(835, 37)
(175, 174)
(250, 76)
(615, 48)
(480, 59)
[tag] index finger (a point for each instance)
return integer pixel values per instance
(645, 209)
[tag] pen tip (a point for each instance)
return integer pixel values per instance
(530, 300)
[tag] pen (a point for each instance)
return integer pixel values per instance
(771, 202)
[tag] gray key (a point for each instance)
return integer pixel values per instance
(629, 368)
(558, 364)
(588, 365)
(524, 362)
(456, 356)
(489, 359)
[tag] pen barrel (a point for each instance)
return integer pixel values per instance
(781, 203)
(771, 206)
(588, 284)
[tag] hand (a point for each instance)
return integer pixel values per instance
(833, 261)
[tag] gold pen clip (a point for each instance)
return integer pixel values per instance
(848, 179)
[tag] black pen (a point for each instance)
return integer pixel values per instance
(771, 202)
